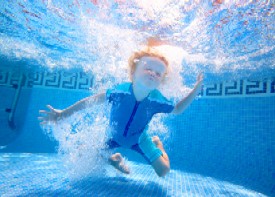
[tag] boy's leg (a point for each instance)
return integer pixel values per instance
(162, 164)
(116, 160)
(153, 151)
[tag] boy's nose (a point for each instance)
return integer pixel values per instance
(152, 73)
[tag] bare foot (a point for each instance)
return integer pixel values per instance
(116, 160)
(157, 142)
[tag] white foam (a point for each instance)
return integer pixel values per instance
(82, 142)
(102, 43)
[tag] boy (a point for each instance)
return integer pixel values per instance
(132, 107)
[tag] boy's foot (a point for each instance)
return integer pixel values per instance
(116, 160)
(157, 142)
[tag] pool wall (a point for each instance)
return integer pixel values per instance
(227, 134)
(229, 139)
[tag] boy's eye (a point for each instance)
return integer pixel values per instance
(148, 69)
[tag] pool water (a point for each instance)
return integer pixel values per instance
(58, 52)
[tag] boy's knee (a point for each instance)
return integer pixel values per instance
(161, 166)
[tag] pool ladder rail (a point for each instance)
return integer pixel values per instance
(12, 109)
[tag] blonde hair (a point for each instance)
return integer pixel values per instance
(147, 52)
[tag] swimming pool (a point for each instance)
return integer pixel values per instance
(54, 52)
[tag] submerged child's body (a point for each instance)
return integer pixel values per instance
(133, 105)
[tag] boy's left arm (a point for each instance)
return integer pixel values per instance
(185, 102)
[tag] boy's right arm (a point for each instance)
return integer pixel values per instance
(83, 104)
(55, 114)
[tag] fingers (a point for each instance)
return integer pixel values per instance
(44, 112)
(200, 76)
(47, 112)
(47, 115)
(50, 107)
(45, 120)
(43, 123)
(41, 118)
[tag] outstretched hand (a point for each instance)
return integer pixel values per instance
(49, 116)
(200, 78)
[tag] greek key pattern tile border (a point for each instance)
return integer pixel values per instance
(240, 88)
(83, 81)
(62, 79)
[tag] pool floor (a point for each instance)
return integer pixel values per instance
(25, 174)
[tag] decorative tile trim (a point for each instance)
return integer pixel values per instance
(240, 88)
(214, 91)
(82, 81)
(233, 88)
(62, 79)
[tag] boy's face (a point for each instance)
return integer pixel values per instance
(149, 72)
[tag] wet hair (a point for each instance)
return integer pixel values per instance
(147, 52)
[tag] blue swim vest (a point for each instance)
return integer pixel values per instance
(129, 117)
